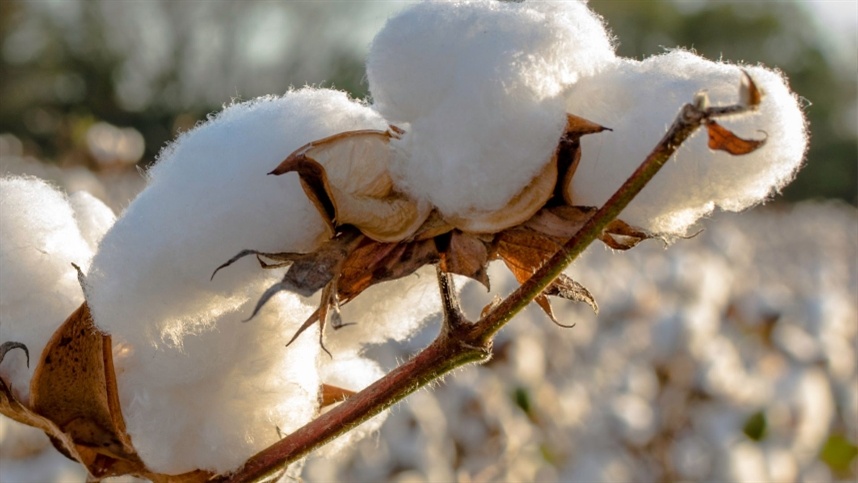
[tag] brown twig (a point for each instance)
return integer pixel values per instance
(462, 343)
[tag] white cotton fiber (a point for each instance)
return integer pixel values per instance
(388, 311)
(208, 198)
(93, 217)
(478, 86)
(230, 389)
(639, 100)
(199, 388)
(39, 289)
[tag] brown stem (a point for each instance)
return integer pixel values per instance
(462, 343)
(451, 309)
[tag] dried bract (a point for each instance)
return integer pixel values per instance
(379, 234)
(74, 400)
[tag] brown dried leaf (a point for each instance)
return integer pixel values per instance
(373, 262)
(435, 225)
(74, 400)
(722, 139)
(619, 235)
(285, 259)
(560, 222)
(365, 264)
(524, 250)
(346, 176)
(369, 262)
(466, 255)
(749, 94)
(565, 287)
(330, 395)
(309, 272)
(74, 386)
(14, 409)
(569, 153)
(315, 183)
(542, 301)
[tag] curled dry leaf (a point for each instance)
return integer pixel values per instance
(330, 395)
(749, 94)
(74, 400)
(75, 387)
(722, 139)
(346, 177)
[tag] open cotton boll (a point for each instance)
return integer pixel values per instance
(39, 241)
(93, 217)
(480, 86)
(466, 160)
(238, 385)
(200, 389)
(208, 198)
(639, 100)
(431, 50)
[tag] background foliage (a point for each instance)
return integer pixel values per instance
(159, 67)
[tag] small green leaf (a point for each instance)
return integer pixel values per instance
(755, 426)
(838, 453)
(522, 399)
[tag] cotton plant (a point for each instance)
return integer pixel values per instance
(496, 131)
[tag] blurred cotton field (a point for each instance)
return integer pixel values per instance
(728, 357)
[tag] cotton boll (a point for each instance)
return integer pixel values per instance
(480, 85)
(93, 217)
(239, 384)
(639, 100)
(39, 241)
(432, 50)
(468, 161)
(216, 388)
(209, 198)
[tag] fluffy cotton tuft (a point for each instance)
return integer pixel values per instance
(225, 394)
(479, 88)
(39, 289)
(217, 388)
(639, 100)
(388, 311)
(208, 198)
(93, 217)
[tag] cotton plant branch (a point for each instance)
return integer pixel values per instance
(461, 342)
